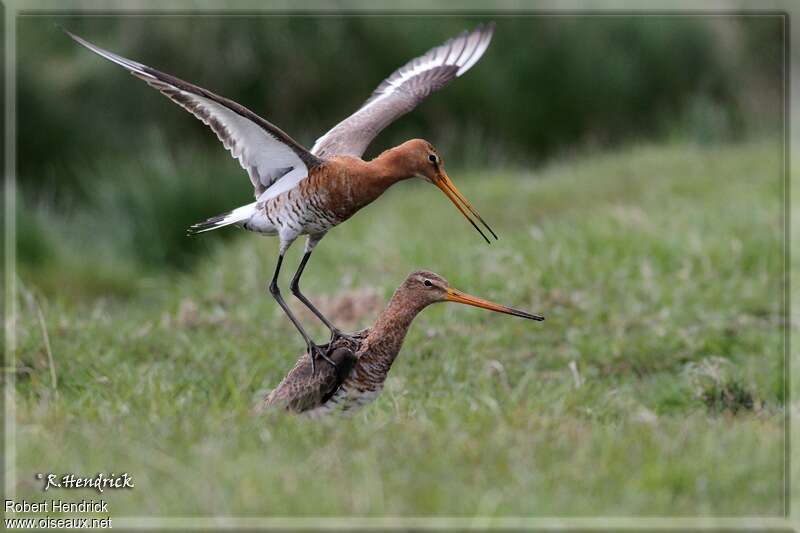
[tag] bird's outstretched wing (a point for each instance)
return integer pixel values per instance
(266, 152)
(302, 390)
(403, 90)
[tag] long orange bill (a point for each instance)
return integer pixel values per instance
(455, 295)
(448, 187)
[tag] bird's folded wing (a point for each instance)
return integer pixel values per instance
(264, 150)
(303, 389)
(403, 90)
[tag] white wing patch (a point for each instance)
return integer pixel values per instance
(266, 160)
(287, 182)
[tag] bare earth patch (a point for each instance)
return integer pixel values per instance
(351, 307)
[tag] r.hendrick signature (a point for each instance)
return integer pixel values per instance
(99, 482)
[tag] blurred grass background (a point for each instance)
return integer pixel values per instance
(661, 288)
(631, 165)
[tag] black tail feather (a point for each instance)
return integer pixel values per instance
(206, 225)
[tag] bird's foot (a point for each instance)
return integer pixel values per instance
(336, 335)
(316, 352)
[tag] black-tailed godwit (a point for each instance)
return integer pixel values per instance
(363, 359)
(301, 192)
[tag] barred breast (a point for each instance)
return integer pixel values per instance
(318, 203)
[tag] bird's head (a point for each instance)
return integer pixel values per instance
(426, 162)
(427, 287)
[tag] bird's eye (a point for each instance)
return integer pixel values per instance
(432, 158)
(428, 283)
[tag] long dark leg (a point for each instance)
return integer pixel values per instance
(295, 287)
(314, 351)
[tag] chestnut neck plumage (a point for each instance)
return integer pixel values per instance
(385, 338)
(395, 164)
(388, 168)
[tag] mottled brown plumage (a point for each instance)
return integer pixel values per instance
(303, 389)
(364, 359)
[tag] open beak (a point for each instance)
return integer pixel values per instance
(447, 186)
(454, 295)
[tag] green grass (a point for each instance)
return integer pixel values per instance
(658, 269)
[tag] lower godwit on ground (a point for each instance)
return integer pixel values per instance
(363, 359)
(308, 192)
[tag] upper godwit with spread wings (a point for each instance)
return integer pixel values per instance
(363, 359)
(302, 192)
